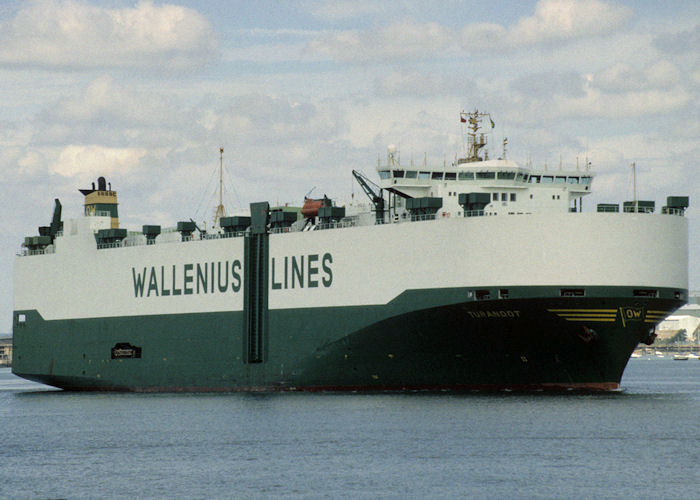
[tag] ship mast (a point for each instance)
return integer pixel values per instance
(220, 210)
(476, 139)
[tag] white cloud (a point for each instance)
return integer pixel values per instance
(265, 53)
(596, 104)
(569, 96)
(623, 77)
(69, 34)
(112, 113)
(271, 122)
(570, 84)
(552, 21)
(663, 74)
(681, 42)
(483, 36)
(104, 100)
(337, 10)
(31, 163)
(416, 83)
(398, 40)
(564, 19)
(93, 160)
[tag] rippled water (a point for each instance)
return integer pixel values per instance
(641, 442)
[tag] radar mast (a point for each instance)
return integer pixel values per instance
(476, 139)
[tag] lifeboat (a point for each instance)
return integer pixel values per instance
(311, 206)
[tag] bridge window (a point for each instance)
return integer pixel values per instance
(398, 174)
(486, 175)
(466, 175)
(559, 180)
(547, 179)
(585, 180)
(519, 177)
(411, 174)
(573, 180)
(506, 175)
(384, 174)
(424, 175)
(534, 179)
(437, 176)
(450, 176)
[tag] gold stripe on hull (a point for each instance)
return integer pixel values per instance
(589, 315)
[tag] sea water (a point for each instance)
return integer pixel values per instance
(640, 442)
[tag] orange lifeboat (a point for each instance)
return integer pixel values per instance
(311, 206)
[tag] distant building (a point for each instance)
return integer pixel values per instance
(686, 318)
(6, 352)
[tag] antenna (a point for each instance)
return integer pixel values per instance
(220, 210)
(634, 187)
(391, 155)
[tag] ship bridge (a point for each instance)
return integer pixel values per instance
(500, 185)
(510, 187)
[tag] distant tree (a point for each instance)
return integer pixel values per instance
(680, 336)
(676, 338)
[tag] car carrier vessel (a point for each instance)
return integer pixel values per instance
(479, 274)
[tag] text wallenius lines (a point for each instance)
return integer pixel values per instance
(310, 271)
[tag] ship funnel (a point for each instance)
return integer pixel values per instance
(102, 201)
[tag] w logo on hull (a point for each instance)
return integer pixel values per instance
(628, 314)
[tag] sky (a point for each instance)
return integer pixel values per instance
(299, 93)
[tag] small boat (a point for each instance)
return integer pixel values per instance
(680, 357)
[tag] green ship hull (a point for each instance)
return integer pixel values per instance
(440, 339)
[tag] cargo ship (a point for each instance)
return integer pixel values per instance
(477, 274)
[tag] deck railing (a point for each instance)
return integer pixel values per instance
(135, 238)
